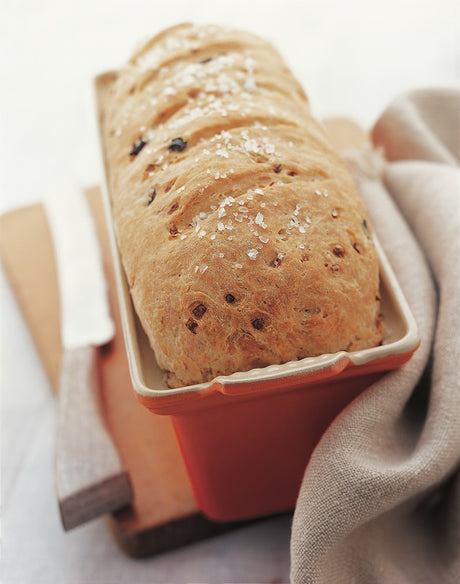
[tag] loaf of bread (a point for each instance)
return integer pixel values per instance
(244, 240)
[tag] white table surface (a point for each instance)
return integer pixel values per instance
(352, 58)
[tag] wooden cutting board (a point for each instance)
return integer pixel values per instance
(164, 514)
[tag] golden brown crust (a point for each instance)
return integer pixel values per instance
(244, 240)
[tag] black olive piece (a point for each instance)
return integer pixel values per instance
(177, 145)
(199, 310)
(137, 146)
(152, 196)
(191, 325)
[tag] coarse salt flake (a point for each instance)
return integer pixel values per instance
(251, 146)
(259, 220)
(222, 152)
(250, 84)
(253, 253)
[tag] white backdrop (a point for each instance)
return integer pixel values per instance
(351, 57)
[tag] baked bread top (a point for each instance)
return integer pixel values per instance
(243, 237)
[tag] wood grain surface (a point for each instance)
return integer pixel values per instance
(90, 478)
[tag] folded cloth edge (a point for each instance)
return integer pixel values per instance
(329, 520)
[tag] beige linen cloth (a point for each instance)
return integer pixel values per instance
(380, 499)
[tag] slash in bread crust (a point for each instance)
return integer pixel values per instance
(243, 237)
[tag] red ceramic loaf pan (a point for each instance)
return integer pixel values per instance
(246, 438)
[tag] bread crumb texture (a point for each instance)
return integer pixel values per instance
(243, 237)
